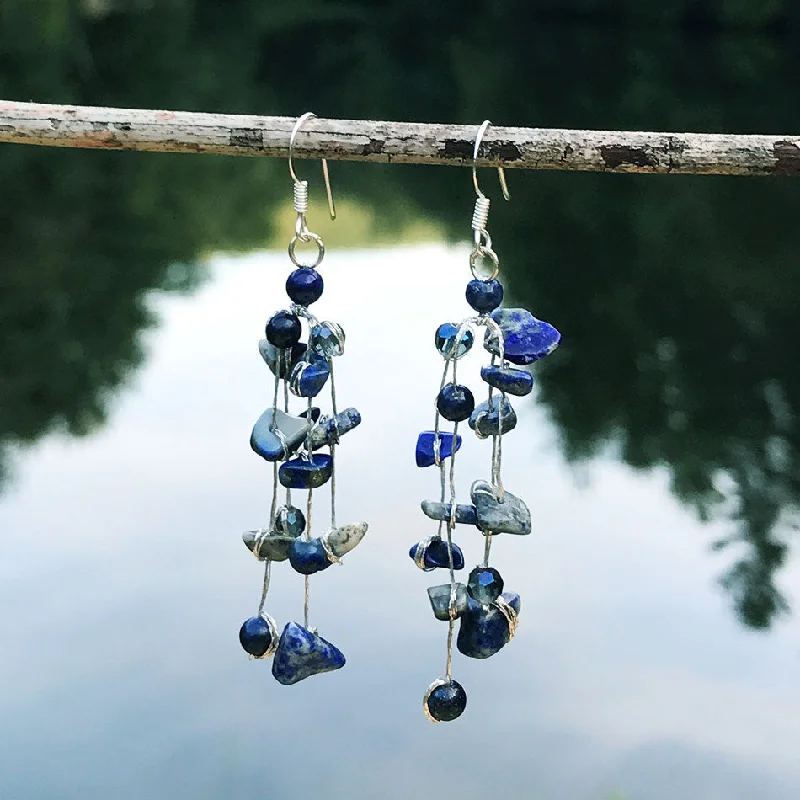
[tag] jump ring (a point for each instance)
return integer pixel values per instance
(311, 237)
(479, 252)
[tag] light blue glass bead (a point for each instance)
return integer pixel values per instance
(289, 521)
(446, 341)
(326, 340)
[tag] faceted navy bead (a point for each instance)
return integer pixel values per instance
(484, 585)
(518, 382)
(446, 341)
(304, 473)
(289, 521)
(283, 329)
(309, 377)
(425, 447)
(484, 296)
(255, 636)
(308, 557)
(436, 555)
(447, 701)
(327, 340)
(304, 286)
(302, 653)
(455, 402)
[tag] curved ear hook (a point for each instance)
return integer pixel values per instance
(299, 124)
(500, 172)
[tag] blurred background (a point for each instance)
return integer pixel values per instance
(660, 456)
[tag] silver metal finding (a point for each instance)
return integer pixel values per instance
(500, 171)
(300, 196)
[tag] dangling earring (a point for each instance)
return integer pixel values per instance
(488, 614)
(278, 436)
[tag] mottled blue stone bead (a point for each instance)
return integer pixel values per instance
(446, 701)
(284, 329)
(303, 473)
(301, 654)
(484, 585)
(308, 557)
(265, 440)
(484, 296)
(484, 631)
(518, 382)
(525, 338)
(304, 286)
(455, 402)
(485, 419)
(445, 341)
(436, 555)
(255, 636)
(425, 447)
(309, 378)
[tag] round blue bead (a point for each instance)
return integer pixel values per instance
(283, 329)
(304, 286)
(484, 296)
(455, 402)
(255, 636)
(484, 585)
(447, 701)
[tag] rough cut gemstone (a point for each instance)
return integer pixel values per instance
(436, 555)
(465, 515)
(284, 329)
(328, 432)
(289, 521)
(308, 377)
(484, 585)
(301, 654)
(518, 382)
(308, 557)
(281, 360)
(271, 548)
(268, 444)
(445, 339)
(484, 296)
(440, 601)
(484, 631)
(255, 636)
(426, 456)
(525, 338)
(447, 701)
(306, 473)
(344, 539)
(304, 286)
(455, 402)
(327, 340)
(485, 419)
(509, 515)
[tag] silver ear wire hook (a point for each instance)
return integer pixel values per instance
(500, 171)
(480, 215)
(299, 124)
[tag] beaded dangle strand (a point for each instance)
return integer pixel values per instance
(513, 336)
(278, 436)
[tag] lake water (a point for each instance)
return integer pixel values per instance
(124, 581)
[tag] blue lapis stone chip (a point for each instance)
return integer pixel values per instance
(306, 473)
(525, 338)
(255, 636)
(309, 377)
(484, 631)
(436, 555)
(426, 441)
(485, 419)
(518, 382)
(302, 653)
(308, 557)
(484, 296)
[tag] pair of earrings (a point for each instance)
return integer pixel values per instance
(295, 445)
